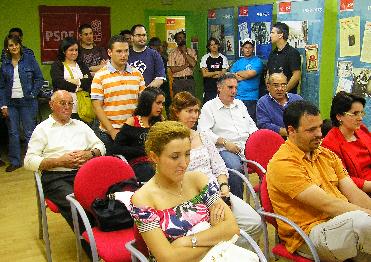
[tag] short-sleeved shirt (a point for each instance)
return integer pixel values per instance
(248, 89)
(175, 222)
(213, 64)
(119, 91)
(149, 63)
(288, 174)
(177, 59)
(286, 61)
(94, 56)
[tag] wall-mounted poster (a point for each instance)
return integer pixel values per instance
(58, 22)
(298, 36)
(311, 54)
(346, 5)
(350, 36)
(366, 43)
(305, 21)
(255, 22)
(221, 26)
(362, 82)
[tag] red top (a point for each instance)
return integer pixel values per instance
(356, 156)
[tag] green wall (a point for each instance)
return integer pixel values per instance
(24, 14)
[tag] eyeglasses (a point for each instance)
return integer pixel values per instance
(65, 103)
(140, 35)
(357, 113)
(276, 85)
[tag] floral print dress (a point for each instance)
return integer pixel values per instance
(175, 222)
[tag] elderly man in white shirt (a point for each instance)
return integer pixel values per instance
(58, 147)
(228, 123)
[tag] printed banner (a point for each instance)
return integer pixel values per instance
(255, 22)
(173, 25)
(221, 26)
(58, 22)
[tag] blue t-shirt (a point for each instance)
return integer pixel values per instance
(149, 63)
(248, 89)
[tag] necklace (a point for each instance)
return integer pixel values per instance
(169, 192)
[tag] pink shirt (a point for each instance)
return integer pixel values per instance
(177, 59)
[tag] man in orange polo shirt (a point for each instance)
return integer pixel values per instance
(308, 184)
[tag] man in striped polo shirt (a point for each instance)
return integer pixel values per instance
(115, 90)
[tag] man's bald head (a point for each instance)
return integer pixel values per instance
(61, 104)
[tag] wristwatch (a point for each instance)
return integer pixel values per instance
(194, 241)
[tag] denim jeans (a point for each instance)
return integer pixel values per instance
(106, 139)
(251, 108)
(233, 161)
(22, 110)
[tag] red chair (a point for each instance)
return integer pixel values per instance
(93, 180)
(259, 150)
(269, 216)
(42, 204)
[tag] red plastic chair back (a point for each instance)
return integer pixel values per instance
(266, 202)
(261, 146)
(95, 177)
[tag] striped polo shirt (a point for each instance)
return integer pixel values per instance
(119, 91)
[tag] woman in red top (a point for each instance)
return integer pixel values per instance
(350, 138)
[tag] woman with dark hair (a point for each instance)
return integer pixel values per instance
(204, 157)
(129, 142)
(69, 73)
(20, 83)
(213, 65)
(350, 139)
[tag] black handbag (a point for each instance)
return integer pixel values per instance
(111, 214)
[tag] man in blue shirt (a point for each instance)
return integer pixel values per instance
(248, 70)
(270, 107)
(148, 61)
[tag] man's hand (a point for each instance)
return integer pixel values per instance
(4, 112)
(217, 213)
(232, 147)
(82, 156)
(68, 160)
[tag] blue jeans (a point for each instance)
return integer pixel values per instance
(20, 110)
(233, 161)
(106, 139)
(251, 108)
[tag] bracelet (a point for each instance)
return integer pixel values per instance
(93, 153)
(224, 142)
(223, 184)
(194, 241)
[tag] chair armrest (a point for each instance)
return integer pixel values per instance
(75, 205)
(256, 164)
(297, 229)
(254, 245)
(135, 253)
(249, 188)
(39, 187)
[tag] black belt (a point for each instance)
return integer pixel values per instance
(184, 77)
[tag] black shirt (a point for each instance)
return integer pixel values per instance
(286, 61)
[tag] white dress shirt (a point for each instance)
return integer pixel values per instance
(51, 139)
(231, 122)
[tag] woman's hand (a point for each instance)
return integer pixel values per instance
(4, 112)
(224, 191)
(217, 213)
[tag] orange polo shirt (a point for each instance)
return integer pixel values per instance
(290, 173)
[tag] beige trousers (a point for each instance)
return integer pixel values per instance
(347, 236)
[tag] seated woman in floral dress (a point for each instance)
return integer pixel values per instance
(170, 204)
(185, 108)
